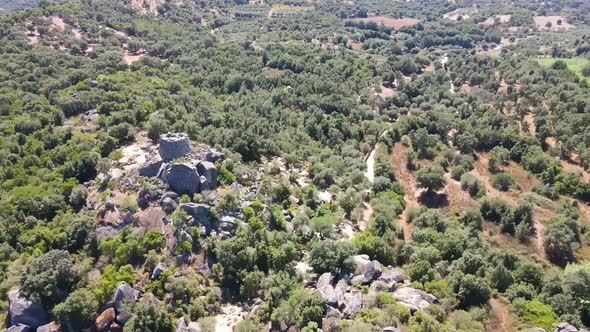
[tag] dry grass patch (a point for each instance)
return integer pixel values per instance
(407, 179)
(497, 18)
(390, 22)
(551, 23)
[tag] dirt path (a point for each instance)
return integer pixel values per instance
(370, 172)
(398, 161)
(500, 318)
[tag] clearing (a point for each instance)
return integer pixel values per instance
(556, 22)
(574, 64)
(501, 19)
(384, 90)
(460, 14)
(130, 58)
(388, 21)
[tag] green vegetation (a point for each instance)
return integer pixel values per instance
(576, 65)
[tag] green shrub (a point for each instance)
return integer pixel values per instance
(502, 181)
(537, 314)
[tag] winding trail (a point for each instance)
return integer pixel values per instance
(501, 321)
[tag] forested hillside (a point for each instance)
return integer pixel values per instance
(295, 165)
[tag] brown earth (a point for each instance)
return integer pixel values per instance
(408, 181)
(500, 319)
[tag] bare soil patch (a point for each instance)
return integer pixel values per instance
(460, 14)
(354, 45)
(130, 58)
(542, 21)
(390, 22)
(385, 90)
(529, 119)
(501, 19)
(429, 68)
(408, 181)
(482, 172)
(58, 22)
(458, 199)
(500, 319)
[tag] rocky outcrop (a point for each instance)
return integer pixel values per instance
(392, 275)
(414, 299)
(208, 170)
(25, 312)
(211, 155)
(200, 213)
(354, 303)
(391, 329)
(124, 294)
(365, 270)
(565, 327)
(325, 290)
(168, 205)
(183, 178)
(174, 145)
(19, 328)
(105, 319)
(50, 327)
(181, 325)
(150, 168)
(194, 327)
(158, 270)
(193, 175)
(227, 227)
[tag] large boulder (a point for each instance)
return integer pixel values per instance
(194, 327)
(365, 270)
(174, 145)
(25, 312)
(183, 178)
(200, 213)
(354, 303)
(325, 290)
(19, 328)
(150, 168)
(227, 227)
(181, 325)
(209, 171)
(565, 327)
(124, 293)
(391, 329)
(105, 319)
(341, 288)
(158, 270)
(50, 327)
(382, 286)
(168, 205)
(392, 275)
(414, 299)
(214, 155)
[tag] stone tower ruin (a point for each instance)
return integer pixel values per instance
(174, 145)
